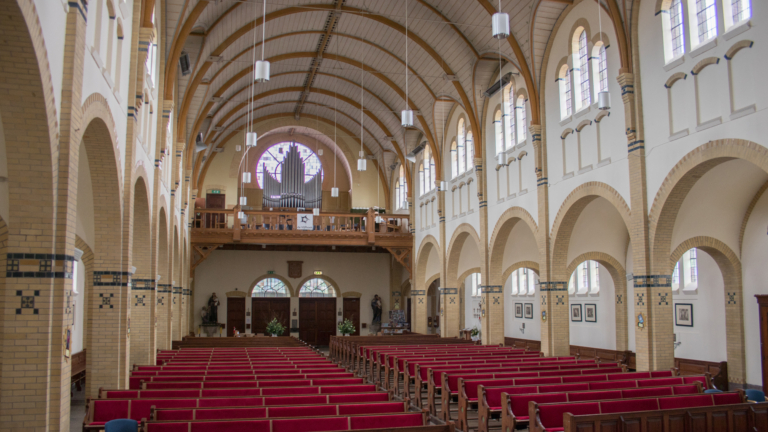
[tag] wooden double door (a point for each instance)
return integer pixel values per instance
(235, 315)
(317, 320)
(264, 309)
(352, 312)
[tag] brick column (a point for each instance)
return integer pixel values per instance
(450, 312)
(162, 315)
(652, 293)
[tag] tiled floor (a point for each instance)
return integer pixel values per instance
(77, 410)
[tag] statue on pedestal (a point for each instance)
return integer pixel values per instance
(213, 309)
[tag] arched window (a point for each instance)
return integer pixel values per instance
(119, 55)
(454, 160)
(428, 177)
(272, 161)
(600, 68)
(422, 184)
(686, 273)
(509, 112)
(270, 287)
(470, 151)
(581, 68)
(523, 281)
(474, 284)
(317, 288)
(740, 11)
(564, 81)
(674, 29)
(401, 191)
(499, 130)
(461, 136)
(706, 22)
(585, 279)
(522, 121)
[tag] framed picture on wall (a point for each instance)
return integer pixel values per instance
(590, 312)
(576, 313)
(684, 314)
(528, 309)
(518, 310)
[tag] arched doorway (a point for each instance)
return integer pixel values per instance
(270, 299)
(317, 311)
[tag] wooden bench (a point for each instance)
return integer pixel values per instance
(236, 392)
(705, 412)
(240, 413)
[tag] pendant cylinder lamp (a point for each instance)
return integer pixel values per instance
(335, 192)
(500, 157)
(246, 177)
(251, 139)
(362, 162)
(316, 212)
(500, 25)
(261, 71)
(406, 118)
(604, 100)
(243, 200)
(241, 215)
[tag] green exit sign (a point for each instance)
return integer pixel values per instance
(271, 272)
(216, 191)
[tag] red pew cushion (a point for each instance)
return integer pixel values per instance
(375, 408)
(295, 400)
(231, 426)
(233, 392)
(122, 394)
(364, 397)
(302, 411)
(231, 402)
(646, 392)
(519, 403)
(226, 414)
(552, 415)
(694, 379)
(685, 402)
(388, 421)
(610, 407)
(726, 398)
(609, 385)
(583, 378)
(685, 389)
(177, 415)
(558, 388)
(310, 425)
(106, 410)
(658, 382)
(140, 408)
(594, 395)
(347, 389)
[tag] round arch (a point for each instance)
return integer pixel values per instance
(518, 265)
(730, 269)
(427, 245)
(504, 226)
(288, 286)
(455, 246)
(569, 213)
(332, 283)
(679, 182)
(617, 272)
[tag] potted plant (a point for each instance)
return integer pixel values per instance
(346, 327)
(275, 328)
(475, 333)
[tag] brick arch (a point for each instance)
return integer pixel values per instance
(460, 235)
(681, 179)
(516, 266)
(569, 213)
(422, 257)
(98, 141)
(29, 119)
(331, 282)
(618, 274)
(96, 106)
(286, 282)
(501, 231)
(730, 268)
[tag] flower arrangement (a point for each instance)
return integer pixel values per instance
(475, 333)
(346, 327)
(275, 328)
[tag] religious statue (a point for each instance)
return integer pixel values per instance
(204, 314)
(376, 306)
(213, 309)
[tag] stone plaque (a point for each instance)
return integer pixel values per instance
(294, 269)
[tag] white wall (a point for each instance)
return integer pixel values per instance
(226, 271)
(471, 303)
(600, 334)
(513, 325)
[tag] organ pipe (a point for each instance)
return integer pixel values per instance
(291, 191)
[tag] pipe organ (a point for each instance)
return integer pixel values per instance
(291, 191)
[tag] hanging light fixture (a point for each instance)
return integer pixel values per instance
(500, 24)
(406, 116)
(334, 189)
(603, 97)
(261, 68)
(246, 177)
(241, 215)
(316, 211)
(361, 163)
(243, 200)
(250, 139)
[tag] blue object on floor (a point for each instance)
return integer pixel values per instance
(712, 391)
(755, 395)
(121, 425)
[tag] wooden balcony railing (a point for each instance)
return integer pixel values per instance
(264, 224)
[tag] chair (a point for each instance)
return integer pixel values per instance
(755, 395)
(121, 425)
(712, 391)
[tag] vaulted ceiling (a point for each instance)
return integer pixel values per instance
(329, 58)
